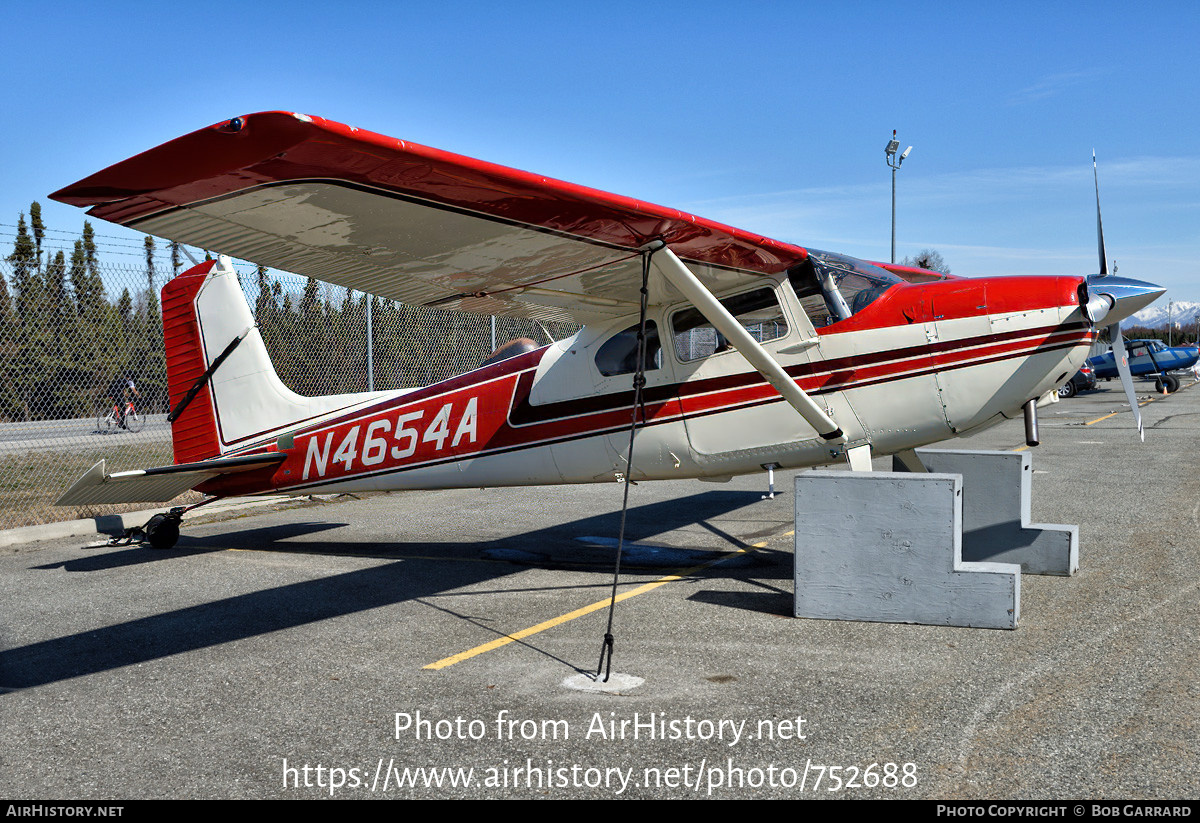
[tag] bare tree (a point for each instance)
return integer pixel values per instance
(929, 259)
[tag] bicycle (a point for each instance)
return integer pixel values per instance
(108, 419)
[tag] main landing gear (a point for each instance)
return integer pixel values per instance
(1166, 384)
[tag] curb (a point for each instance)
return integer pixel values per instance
(116, 524)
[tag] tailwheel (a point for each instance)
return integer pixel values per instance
(162, 530)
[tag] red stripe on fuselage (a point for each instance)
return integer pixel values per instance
(431, 426)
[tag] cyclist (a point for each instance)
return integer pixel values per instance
(121, 392)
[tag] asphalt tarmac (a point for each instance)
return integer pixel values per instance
(363, 648)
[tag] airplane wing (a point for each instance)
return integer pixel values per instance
(156, 485)
(408, 222)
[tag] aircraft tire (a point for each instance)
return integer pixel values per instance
(1172, 383)
(1066, 390)
(162, 531)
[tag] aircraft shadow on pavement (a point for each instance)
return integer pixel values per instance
(295, 604)
(136, 555)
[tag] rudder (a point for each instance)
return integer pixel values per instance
(194, 432)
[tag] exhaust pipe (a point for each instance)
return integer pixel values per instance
(1031, 429)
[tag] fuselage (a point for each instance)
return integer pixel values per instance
(920, 363)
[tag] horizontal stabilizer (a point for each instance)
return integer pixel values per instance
(156, 485)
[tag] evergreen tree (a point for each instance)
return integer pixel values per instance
(148, 358)
(39, 229)
(311, 328)
(148, 245)
(24, 275)
(89, 245)
(8, 354)
(29, 329)
(151, 291)
(5, 303)
(91, 262)
(89, 291)
(176, 260)
(59, 386)
(264, 306)
(58, 296)
(125, 310)
(97, 337)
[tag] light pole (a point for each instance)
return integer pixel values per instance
(894, 162)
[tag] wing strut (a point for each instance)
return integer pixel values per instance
(683, 279)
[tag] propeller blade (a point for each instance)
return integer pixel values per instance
(1122, 363)
(1099, 222)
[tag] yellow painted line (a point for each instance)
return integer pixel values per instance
(1143, 403)
(581, 612)
(1098, 419)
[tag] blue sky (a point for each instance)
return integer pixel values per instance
(769, 116)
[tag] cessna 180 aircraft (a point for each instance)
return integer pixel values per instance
(756, 352)
(1149, 358)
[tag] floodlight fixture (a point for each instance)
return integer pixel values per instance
(894, 163)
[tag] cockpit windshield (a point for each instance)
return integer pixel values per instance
(833, 287)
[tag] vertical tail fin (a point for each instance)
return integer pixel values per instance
(242, 403)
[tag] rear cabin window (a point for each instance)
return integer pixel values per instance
(833, 287)
(758, 311)
(619, 354)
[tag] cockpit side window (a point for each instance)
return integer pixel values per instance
(758, 312)
(803, 279)
(833, 287)
(619, 354)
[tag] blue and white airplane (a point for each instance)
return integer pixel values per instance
(1149, 358)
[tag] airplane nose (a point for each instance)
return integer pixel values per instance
(1127, 297)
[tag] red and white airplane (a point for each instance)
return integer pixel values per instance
(758, 353)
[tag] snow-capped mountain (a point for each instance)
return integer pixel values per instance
(1155, 316)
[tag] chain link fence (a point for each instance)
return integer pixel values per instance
(69, 338)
